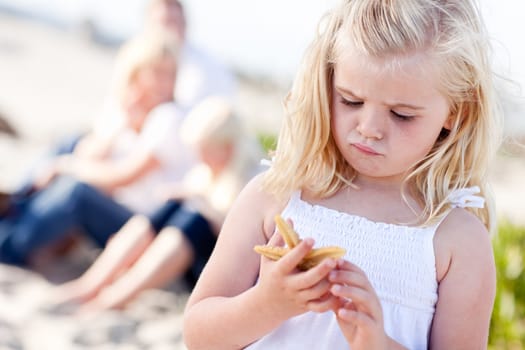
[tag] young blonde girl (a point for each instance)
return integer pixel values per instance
(177, 239)
(390, 126)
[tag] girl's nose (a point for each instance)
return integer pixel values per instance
(370, 124)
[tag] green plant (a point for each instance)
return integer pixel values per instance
(267, 141)
(507, 326)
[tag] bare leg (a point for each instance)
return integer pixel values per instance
(126, 246)
(168, 257)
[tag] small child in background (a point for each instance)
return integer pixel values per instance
(177, 240)
(391, 122)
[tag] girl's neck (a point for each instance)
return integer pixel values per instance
(382, 184)
(393, 195)
(217, 169)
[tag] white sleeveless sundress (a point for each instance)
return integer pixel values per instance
(398, 260)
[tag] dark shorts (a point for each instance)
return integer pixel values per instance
(195, 228)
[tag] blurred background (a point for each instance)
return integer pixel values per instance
(56, 59)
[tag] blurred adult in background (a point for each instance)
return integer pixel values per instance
(109, 176)
(200, 74)
(6, 127)
(176, 240)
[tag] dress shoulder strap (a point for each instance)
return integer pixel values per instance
(466, 198)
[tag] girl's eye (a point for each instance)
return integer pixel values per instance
(402, 117)
(351, 103)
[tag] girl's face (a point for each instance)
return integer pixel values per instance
(216, 155)
(150, 86)
(386, 118)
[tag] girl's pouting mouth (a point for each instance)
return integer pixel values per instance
(365, 149)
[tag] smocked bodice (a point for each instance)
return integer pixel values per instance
(398, 260)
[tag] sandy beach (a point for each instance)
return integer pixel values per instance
(53, 83)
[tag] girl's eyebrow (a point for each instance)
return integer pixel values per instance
(348, 92)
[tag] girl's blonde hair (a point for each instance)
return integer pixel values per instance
(212, 121)
(451, 33)
(142, 51)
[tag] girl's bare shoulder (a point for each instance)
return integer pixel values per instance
(461, 238)
(255, 200)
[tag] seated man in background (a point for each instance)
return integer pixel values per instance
(200, 74)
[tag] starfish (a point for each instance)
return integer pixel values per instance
(291, 238)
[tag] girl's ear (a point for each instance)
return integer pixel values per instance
(448, 123)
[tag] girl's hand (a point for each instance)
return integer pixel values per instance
(287, 291)
(360, 315)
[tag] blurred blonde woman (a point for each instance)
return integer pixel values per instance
(177, 240)
(109, 174)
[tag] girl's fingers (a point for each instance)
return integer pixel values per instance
(363, 300)
(350, 278)
(346, 265)
(315, 291)
(291, 259)
(347, 273)
(351, 282)
(355, 318)
(311, 277)
(325, 303)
